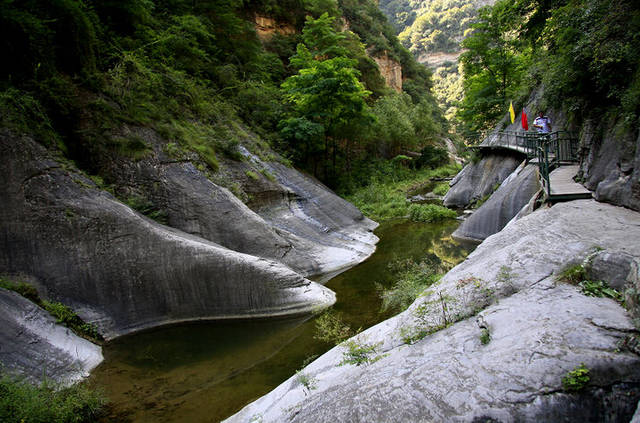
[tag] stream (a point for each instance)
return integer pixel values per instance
(207, 371)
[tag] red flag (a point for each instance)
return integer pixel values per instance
(525, 122)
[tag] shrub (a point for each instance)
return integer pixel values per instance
(485, 336)
(22, 402)
(330, 328)
(430, 213)
(441, 189)
(411, 281)
(359, 353)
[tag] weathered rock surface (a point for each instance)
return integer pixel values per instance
(513, 194)
(299, 222)
(391, 71)
(539, 328)
(120, 270)
(32, 344)
(611, 166)
(478, 180)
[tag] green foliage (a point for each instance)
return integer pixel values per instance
(441, 189)
(577, 379)
(577, 275)
(595, 55)
(63, 314)
(252, 175)
(385, 196)
(485, 336)
(494, 66)
(359, 353)
(430, 213)
(331, 329)
(411, 280)
(66, 316)
(24, 289)
(307, 381)
(599, 289)
(432, 156)
(573, 274)
(22, 402)
(23, 113)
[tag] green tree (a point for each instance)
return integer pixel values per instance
(493, 67)
(326, 90)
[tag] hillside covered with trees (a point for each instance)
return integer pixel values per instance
(197, 74)
(584, 53)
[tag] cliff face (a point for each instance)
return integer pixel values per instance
(266, 27)
(391, 71)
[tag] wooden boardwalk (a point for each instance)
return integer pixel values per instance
(563, 187)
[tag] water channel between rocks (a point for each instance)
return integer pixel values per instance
(205, 372)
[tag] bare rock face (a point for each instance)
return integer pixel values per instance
(513, 194)
(612, 166)
(391, 71)
(33, 345)
(478, 180)
(266, 27)
(120, 270)
(289, 217)
(511, 333)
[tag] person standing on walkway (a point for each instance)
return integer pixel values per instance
(542, 123)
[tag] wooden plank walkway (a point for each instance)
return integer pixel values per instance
(563, 187)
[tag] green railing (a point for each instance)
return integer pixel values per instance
(551, 149)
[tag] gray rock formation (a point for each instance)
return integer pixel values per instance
(477, 180)
(611, 166)
(120, 270)
(299, 222)
(540, 329)
(33, 345)
(513, 194)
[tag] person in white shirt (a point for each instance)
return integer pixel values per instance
(542, 123)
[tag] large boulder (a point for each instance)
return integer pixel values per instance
(512, 195)
(478, 180)
(289, 217)
(33, 345)
(431, 363)
(611, 165)
(120, 270)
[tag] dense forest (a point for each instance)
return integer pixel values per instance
(83, 73)
(584, 53)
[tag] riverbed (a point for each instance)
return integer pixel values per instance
(205, 372)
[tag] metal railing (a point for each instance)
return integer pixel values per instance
(551, 149)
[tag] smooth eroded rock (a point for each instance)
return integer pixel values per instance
(33, 345)
(540, 329)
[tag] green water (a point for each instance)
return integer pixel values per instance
(205, 372)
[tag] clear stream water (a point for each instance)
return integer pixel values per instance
(205, 372)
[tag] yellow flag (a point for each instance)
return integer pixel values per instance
(512, 113)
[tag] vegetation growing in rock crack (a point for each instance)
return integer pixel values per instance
(577, 275)
(577, 379)
(308, 382)
(359, 353)
(485, 336)
(64, 314)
